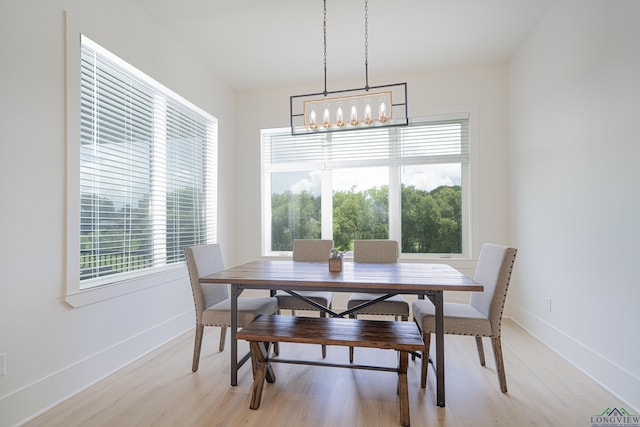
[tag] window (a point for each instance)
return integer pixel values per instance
(402, 183)
(147, 177)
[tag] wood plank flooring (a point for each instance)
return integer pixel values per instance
(161, 390)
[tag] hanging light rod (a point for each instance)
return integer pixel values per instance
(349, 109)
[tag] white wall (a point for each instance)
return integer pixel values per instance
(52, 349)
(574, 91)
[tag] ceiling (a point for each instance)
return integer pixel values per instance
(254, 44)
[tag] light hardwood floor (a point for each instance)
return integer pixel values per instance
(161, 390)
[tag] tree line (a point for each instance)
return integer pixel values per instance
(431, 220)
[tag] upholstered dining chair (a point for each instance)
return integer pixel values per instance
(377, 251)
(308, 250)
(482, 317)
(212, 302)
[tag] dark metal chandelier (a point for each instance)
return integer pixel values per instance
(349, 109)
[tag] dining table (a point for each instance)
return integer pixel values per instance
(423, 279)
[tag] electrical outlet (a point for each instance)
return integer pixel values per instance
(549, 304)
(3, 364)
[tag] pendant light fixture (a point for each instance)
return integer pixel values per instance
(349, 109)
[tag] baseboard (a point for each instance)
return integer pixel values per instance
(614, 378)
(38, 397)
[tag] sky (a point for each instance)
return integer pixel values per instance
(423, 177)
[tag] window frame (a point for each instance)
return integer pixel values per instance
(80, 293)
(395, 217)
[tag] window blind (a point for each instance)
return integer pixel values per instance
(147, 170)
(425, 142)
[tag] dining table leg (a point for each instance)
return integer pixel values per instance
(234, 330)
(438, 301)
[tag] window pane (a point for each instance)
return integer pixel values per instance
(432, 209)
(360, 205)
(295, 208)
(115, 170)
(186, 144)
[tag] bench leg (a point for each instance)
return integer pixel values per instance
(269, 374)
(426, 337)
(403, 388)
(259, 352)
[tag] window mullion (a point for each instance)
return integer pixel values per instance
(395, 212)
(327, 204)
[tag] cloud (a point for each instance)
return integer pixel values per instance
(428, 177)
(423, 177)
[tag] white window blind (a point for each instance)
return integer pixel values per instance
(147, 170)
(439, 141)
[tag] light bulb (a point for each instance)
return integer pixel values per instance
(339, 118)
(312, 120)
(382, 116)
(325, 122)
(354, 116)
(367, 114)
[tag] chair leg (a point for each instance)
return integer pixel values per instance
(426, 337)
(413, 354)
(497, 352)
(324, 347)
(196, 347)
(223, 337)
(351, 316)
(480, 350)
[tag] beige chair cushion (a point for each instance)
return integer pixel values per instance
(219, 314)
(460, 319)
(394, 306)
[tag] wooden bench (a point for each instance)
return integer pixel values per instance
(403, 337)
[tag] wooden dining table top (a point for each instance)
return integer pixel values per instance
(401, 277)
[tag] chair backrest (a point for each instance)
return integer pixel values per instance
(311, 250)
(203, 260)
(375, 251)
(493, 271)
